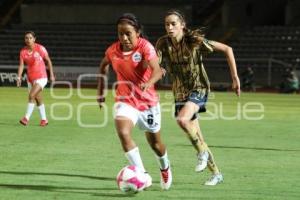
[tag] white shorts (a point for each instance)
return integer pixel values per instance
(42, 82)
(148, 120)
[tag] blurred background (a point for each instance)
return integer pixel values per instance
(264, 35)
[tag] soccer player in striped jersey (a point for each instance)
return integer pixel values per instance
(34, 56)
(181, 52)
(135, 63)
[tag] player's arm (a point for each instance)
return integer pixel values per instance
(20, 72)
(156, 74)
(227, 50)
(103, 71)
(50, 67)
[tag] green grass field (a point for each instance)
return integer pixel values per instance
(260, 159)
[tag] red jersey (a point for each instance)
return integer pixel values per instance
(132, 69)
(34, 60)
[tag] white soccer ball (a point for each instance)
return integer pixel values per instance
(131, 179)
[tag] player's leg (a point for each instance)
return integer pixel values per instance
(211, 161)
(39, 101)
(42, 110)
(216, 177)
(150, 120)
(184, 117)
(154, 140)
(33, 91)
(124, 128)
(125, 119)
(203, 152)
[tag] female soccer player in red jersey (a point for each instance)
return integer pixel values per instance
(181, 51)
(135, 63)
(34, 55)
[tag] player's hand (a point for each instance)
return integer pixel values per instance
(101, 101)
(164, 71)
(236, 86)
(52, 78)
(19, 82)
(145, 86)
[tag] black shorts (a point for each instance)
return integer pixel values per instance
(195, 97)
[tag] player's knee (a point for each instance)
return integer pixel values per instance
(123, 133)
(182, 122)
(31, 97)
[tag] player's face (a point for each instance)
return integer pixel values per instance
(128, 36)
(174, 26)
(29, 39)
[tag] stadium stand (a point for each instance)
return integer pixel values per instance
(268, 49)
(280, 42)
(68, 44)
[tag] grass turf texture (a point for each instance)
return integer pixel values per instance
(258, 158)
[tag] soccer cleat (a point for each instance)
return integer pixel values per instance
(24, 121)
(214, 180)
(202, 161)
(44, 122)
(148, 180)
(165, 178)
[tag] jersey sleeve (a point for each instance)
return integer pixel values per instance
(206, 46)
(107, 54)
(149, 51)
(21, 55)
(43, 51)
(161, 53)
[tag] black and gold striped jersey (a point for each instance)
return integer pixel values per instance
(185, 66)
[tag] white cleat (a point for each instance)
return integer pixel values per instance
(148, 180)
(214, 180)
(166, 178)
(202, 161)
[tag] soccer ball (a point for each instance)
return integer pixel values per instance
(131, 179)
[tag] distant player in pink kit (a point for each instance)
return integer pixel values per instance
(135, 63)
(34, 55)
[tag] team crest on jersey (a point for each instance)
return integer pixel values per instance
(136, 57)
(36, 54)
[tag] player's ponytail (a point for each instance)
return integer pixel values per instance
(194, 37)
(131, 19)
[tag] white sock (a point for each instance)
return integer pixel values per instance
(163, 161)
(42, 111)
(134, 158)
(30, 107)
